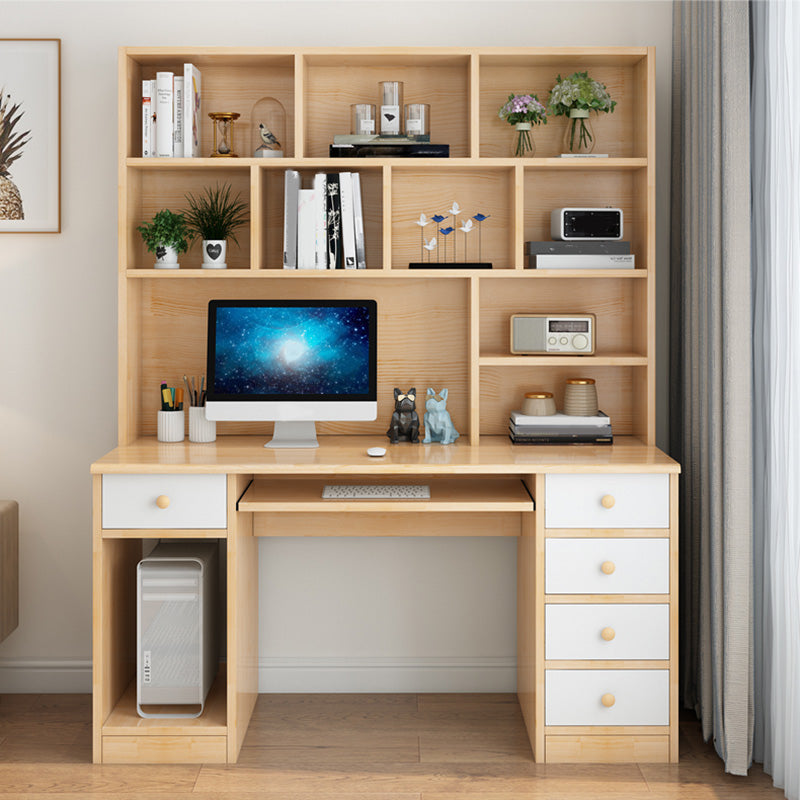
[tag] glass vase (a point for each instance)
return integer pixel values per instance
(579, 135)
(523, 146)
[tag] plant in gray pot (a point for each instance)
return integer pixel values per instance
(215, 217)
(166, 235)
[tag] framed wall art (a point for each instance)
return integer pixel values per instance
(30, 135)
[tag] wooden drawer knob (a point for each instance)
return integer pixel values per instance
(608, 634)
(608, 567)
(162, 501)
(608, 501)
(608, 700)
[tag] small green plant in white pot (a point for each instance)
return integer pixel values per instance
(166, 235)
(215, 217)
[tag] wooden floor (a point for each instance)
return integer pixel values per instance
(368, 747)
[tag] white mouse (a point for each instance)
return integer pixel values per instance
(376, 452)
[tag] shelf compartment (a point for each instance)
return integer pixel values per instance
(613, 301)
(270, 190)
(620, 392)
(545, 190)
(230, 82)
(576, 361)
(175, 316)
(151, 190)
(453, 495)
(616, 134)
(487, 190)
(335, 81)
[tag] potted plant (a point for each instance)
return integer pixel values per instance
(166, 235)
(575, 97)
(215, 216)
(523, 111)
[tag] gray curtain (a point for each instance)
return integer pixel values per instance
(710, 369)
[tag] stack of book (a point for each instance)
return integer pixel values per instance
(375, 146)
(599, 254)
(323, 227)
(560, 429)
(171, 114)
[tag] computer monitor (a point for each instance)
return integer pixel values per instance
(292, 361)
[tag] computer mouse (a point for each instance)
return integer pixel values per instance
(376, 452)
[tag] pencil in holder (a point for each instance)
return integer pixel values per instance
(201, 429)
(170, 426)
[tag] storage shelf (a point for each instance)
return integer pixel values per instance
(398, 273)
(125, 721)
(461, 495)
(602, 360)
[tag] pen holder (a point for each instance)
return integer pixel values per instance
(170, 426)
(201, 429)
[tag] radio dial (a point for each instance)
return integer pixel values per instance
(563, 340)
(552, 340)
(580, 342)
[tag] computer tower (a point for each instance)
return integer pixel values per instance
(176, 637)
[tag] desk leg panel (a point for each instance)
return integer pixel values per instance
(242, 618)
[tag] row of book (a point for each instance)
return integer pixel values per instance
(599, 254)
(560, 429)
(171, 114)
(323, 227)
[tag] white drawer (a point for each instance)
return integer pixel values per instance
(192, 501)
(607, 632)
(606, 566)
(576, 697)
(636, 501)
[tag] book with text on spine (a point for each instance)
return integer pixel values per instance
(191, 111)
(147, 120)
(164, 111)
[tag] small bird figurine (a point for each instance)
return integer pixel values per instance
(268, 137)
(430, 246)
(467, 226)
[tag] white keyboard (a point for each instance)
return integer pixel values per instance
(376, 492)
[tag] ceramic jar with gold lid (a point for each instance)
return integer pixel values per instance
(580, 397)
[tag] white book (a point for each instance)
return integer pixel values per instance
(191, 111)
(147, 120)
(164, 109)
(348, 222)
(358, 215)
(320, 222)
(291, 187)
(177, 116)
(584, 261)
(306, 229)
(560, 419)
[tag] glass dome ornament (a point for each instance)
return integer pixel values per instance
(268, 128)
(223, 133)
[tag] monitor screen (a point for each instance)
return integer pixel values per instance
(291, 350)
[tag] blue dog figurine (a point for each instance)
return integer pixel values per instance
(438, 425)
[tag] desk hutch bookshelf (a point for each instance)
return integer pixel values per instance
(435, 328)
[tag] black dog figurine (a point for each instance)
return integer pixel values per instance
(405, 422)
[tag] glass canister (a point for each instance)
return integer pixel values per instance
(390, 96)
(417, 119)
(580, 397)
(362, 119)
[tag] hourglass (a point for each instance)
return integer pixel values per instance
(223, 130)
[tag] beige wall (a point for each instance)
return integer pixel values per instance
(58, 362)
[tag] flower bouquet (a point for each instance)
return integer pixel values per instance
(523, 111)
(574, 97)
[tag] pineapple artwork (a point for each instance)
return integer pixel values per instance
(12, 145)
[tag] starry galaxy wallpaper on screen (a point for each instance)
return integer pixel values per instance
(292, 350)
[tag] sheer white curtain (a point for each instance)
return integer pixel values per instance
(775, 142)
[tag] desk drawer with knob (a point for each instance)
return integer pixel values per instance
(608, 632)
(606, 566)
(607, 697)
(607, 501)
(164, 501)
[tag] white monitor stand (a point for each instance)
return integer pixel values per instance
(294, 435)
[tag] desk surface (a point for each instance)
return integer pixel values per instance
(345, 455)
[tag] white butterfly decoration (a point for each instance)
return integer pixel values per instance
(456, 209)
(431, 245)
(467, 226)
(422, 221)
